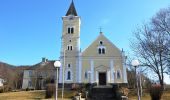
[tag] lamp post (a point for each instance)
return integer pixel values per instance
(57, 65)
(135, 63)
(63, 73)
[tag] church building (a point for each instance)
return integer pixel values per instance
(101, 62)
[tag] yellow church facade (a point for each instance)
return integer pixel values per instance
(101, 62)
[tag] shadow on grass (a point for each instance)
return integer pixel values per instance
(37, 98)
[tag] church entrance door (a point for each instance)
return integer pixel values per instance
(102, 78)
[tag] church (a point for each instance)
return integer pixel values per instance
(101, 62)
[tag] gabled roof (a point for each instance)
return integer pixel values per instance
(111, 49)
(71, 10)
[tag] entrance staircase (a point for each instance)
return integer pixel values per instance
(103, 93)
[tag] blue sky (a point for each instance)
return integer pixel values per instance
(31, 29)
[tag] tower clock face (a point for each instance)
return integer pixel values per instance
(71, 17)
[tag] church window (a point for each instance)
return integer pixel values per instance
(70, 30)
(68, 75)
(118, 74)
(69, 47)
(99, 50)
(101, 42)
(85, 75)
(69, 65)
(103, 50)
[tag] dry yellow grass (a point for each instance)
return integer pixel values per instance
(40, 95)
(146, 96)
(22, 95)
(30, 95)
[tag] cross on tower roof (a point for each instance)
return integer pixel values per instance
(100, 28)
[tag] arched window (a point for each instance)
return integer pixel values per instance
(103, 50)
(99, 51)
(69, 65)
(70, 30)
(69, 47)
(68, 75)
(118, 74)
(85, 75)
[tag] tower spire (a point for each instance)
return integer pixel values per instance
(71, 10)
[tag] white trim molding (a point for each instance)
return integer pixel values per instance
(108, 77)
(92, 70)
(61, 72)
(97, 78)
(124, 73)
(80, 69)
(112, 70)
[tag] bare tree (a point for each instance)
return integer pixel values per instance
(145, 81)
(152, 44)
(41, 77)
(161, 24)
(17, 80)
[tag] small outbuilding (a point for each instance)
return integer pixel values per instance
(1, 82)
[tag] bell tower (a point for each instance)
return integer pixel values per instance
(70, 46)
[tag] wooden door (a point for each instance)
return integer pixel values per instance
(102, 78)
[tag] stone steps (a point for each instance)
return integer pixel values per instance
(102, 93)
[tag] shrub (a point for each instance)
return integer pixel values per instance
(7, 88)
(119, 92)
(27, 89)
(50, 90)
(156, 92)
(75, 87)
(125, 91)
(1, 90)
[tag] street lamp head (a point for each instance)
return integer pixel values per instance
(57, 64)
(135, 63)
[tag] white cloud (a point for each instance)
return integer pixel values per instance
(105, 21)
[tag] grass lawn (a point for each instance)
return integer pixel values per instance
(33, 95)
(40, 95)
(146, 96)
